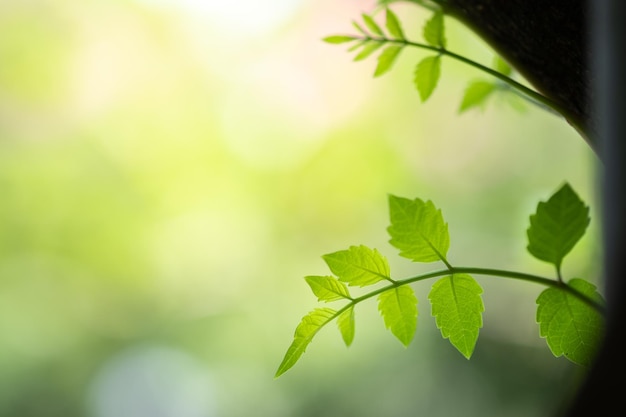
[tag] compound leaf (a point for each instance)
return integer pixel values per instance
(398, 306)
(393, 25)
(417, 229)
(327, 288)
(372, 25)
(386, 59)
(368, 49)
(457, 307)
(335, 39)
(476, 94)
(427, 75)
(571, 327)
(359, 265)
(557, 225)
(345, 322)
(434, 30)
(308, 327)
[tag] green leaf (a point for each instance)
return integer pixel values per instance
(434, 30)
(345, 322)
(398, 306)
(358, 265)
(502, 66)
(308, 327)
(457, 307)
(335, 39)
(369, 48)
(393, 25)
(327, 288)
(571, 327)
(427, 75)
(476, 94)
(386, 59)
(359, 28)
(372, 25)
(557, 225)
(417, 229)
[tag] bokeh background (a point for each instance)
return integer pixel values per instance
(170, 170)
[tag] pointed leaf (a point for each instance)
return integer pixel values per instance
(476, 94)
(417, 229)
(398, 306)
(335, 39)
(393, 25)
(369, 48)
(434, 30)
(358, 265)
(327, 288)
(345, 322)
(359, 28)
(427, 75)
(557, 225)
(457, 307)
(387, 58)
(571, 327)
(372, 25)
(308, 327)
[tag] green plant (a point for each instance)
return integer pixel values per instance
(570, 313)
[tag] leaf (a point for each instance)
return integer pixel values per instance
(502, 66)
(476, 94)
(335, 39)
(358, 265)
(398, 306)
(427, 75)
(369, 48)
(308, 327)
(571, 327)
(557, 225)
(393, 25)
(372, 25)
(457, 307)
(345, 322)
(434, 30)
(359, 28)
(417, 229)
(387, 58)
(327, 288)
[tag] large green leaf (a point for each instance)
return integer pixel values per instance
(571, 327)
(345, 322)
(398, 306)
(476, 94)
(327, 288)
(308, 327)
(557, 225)
(434, 30)
(457, 307)
(387, 58)
(393, 25)
(427, 75)
(359, 265)
(417, 229)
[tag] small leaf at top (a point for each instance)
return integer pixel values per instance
(308, 327)
(393, 25)
(457, 307)
(345, 322)
(386, 59)
(358, 265)
(398, 306)
(335, 39)
(571, 327)
(417, 229)
(359, 28)
(369, 48)
(476, 94)
(372, 25)
(327, 288)
(502, 66)
(557, 225)
(427, 75)
(434, 30)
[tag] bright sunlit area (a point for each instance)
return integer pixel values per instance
(171, 170)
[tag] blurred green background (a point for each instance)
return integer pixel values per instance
(170, 170)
